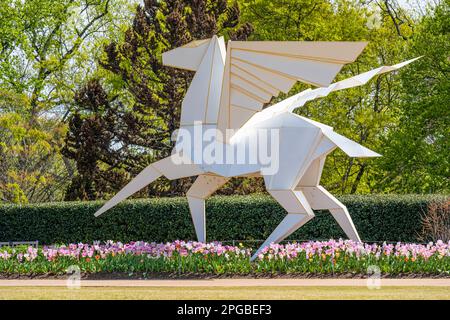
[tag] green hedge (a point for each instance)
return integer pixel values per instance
(377, 218)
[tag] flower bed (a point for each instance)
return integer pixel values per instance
(179, 257)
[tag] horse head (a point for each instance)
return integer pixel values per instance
(207, 58)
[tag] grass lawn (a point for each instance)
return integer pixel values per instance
(174, 293)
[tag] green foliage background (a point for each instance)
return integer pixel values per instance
(51, 49)
(376, 217)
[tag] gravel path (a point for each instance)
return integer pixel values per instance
(232, 283)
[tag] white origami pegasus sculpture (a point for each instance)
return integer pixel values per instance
(228, 91)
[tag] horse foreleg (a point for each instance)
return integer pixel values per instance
(203, 187)
(173, 167)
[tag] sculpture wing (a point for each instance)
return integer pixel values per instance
(257, 71)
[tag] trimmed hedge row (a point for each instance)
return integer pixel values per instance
(377, 218)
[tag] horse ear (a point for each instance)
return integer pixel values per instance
(186, 57)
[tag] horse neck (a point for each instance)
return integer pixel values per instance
(202, 100)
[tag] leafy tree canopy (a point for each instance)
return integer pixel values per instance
(85, 102)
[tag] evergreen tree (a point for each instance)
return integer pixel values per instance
(122, 131)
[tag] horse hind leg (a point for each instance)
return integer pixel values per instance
(172, 167)
(202, 188)
(321, 199)
(299, 213)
